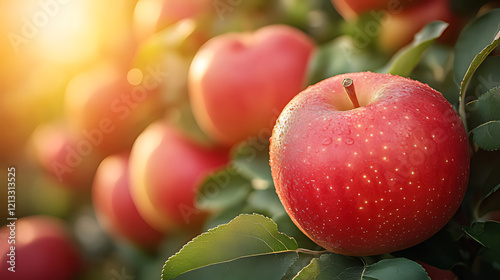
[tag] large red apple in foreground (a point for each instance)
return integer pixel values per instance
(166, 168)
(38, 247)
(239, 81)
(114, 206)
(371, 179)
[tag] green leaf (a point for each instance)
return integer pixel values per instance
(266, 202)
(222, 190)
(251, 159)
(487, 135)
(224, 216)
(477, 40)
(286, 225)
(302, 261)
(486, 233)
(263, 267)
(334, 266)
(245, 236)
(486, 108)
(485, 78)
(342, 56)
(396, 269)
(390, 269)
(441, 250)
(328, 266)
(405, 60)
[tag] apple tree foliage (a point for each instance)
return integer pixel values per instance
(248, 234)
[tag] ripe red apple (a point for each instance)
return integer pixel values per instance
(114, 206)
(398, 29)
(66, 157)
(372, 179)
(438, 274)
(39, 247)
(238, 81)
(166, 169)
(108, 110)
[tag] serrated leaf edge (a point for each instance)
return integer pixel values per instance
(222, 225)
(480, 126)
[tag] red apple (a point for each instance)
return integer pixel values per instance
(438, 274)
(351, 9)
(239, 81)
(372, 179)
(66, 157)
(398, 29)
(38, 247)
(114, 206)
(111, 111)
(166, 169)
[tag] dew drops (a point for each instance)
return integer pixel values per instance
(349, 141)
(327, 141)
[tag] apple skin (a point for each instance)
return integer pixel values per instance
(69, 159)
(238, 82)
(114, 206)
(398, 29)
(102, 106)
(375, 179)
(43, 250)
(166, 170)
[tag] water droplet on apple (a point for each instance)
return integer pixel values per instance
(327, 141)
(349, 141)
(325, 127)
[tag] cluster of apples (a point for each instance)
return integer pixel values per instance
(119, 139)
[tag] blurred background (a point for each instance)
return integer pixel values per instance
(81, 79)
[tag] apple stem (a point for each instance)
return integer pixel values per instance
(348, 85)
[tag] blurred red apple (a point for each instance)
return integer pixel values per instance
(68, 158)
(114, 206)
(110, 111)
(239, 82)
(38, 247)
(398, 29)
(351, 9)
(166, 169)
